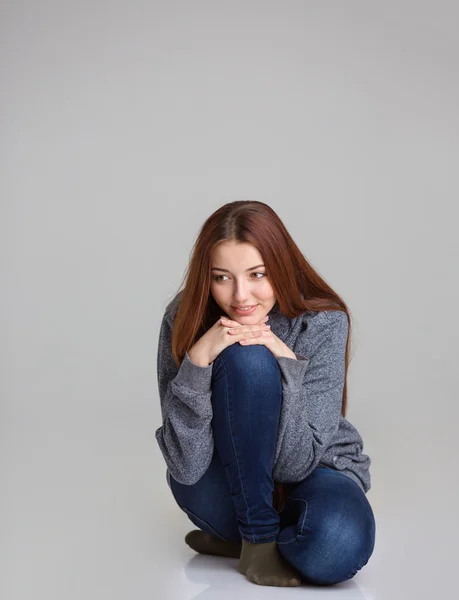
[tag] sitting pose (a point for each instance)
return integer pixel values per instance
(252, 361)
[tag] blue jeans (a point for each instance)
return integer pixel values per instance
(327, 528)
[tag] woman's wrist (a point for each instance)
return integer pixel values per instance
(198, 357)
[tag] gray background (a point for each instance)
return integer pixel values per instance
(123, 126)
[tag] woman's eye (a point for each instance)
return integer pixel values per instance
(217, 277)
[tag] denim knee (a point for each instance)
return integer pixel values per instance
(332, 539)
(347, 543)
(250, 358)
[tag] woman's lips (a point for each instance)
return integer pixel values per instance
(245, 312)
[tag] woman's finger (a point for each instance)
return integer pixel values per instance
(238, 331)
(230, 323)
(257, 339)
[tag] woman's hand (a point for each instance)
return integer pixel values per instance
(267, 338)
(217, 338)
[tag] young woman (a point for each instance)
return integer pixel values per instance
(253, 355)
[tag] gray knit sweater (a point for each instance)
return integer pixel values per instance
(311, 429)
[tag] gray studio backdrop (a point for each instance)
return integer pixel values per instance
(123, 126)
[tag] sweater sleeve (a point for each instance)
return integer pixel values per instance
(185, 437)
(312, 388)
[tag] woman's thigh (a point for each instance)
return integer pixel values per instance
(208, 503)
(327, 527)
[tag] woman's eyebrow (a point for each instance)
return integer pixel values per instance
(226, 270)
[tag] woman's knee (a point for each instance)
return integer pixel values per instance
(250, 360)
(334, 541)
(342, 544)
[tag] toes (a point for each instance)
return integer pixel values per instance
(191, 535)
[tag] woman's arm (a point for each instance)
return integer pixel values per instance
(312, 396)
(185, 438)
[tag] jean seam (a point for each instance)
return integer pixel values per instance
(304, 515)
(259, 537)
(253, 538)
(288, 541)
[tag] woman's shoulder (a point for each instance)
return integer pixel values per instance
(325, 319)
(172, 307)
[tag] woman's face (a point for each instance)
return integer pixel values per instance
(236, 283)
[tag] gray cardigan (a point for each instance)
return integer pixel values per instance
(311, 429)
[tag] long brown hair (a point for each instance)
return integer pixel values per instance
(296, 284)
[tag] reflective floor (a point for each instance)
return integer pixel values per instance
(89, 515)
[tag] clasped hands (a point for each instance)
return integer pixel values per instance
(265, 338)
